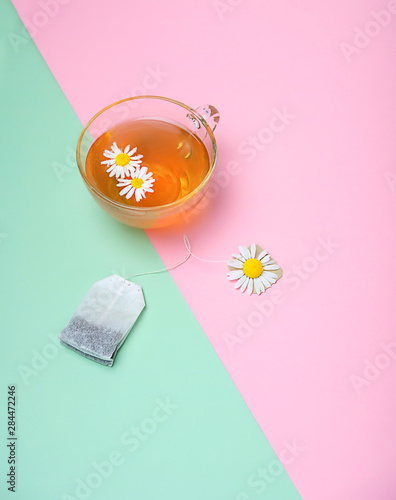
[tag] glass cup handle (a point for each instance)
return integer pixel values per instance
(209, 113)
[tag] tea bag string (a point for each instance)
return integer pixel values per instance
(190, 254)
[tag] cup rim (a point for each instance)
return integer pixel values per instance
(147, 210)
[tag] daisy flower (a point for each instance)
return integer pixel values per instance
(254, 269)
(140, 183)
(121, 163)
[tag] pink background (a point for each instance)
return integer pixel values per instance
(323, 176)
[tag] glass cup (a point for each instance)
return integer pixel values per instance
(201, 122)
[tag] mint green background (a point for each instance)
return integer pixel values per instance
(54, 243)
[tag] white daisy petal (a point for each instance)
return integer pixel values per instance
(271, 261)
(126, 190)
(250, 286)
(133, 151)
(239, 257)
(235, 275)
(241, 281)
(262, 254)
(262, 284)
(244, 252)
(235, 263)
(127, 149)
(256, 285)
(265, 259)
(264, 281)
(253, 250)
(244, 284)
(270, 274)
(130, 193)
(271, 267)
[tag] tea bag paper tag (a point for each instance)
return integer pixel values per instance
(103, 319)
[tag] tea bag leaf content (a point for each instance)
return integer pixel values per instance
(103, 319)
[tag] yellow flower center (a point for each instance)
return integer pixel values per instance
(122, 159)
(137, 183)
(253, 268)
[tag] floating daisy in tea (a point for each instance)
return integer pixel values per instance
(139, 183)
(177, 158)
(121, 163)
(254, 269)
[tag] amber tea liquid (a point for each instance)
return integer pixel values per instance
(178, 160)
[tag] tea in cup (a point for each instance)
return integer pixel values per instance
(147, 160)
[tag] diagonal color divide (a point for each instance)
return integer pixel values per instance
(166, 421)
(305, 149)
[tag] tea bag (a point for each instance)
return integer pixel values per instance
(103, 319)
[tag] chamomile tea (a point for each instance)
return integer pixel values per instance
(147, 163)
